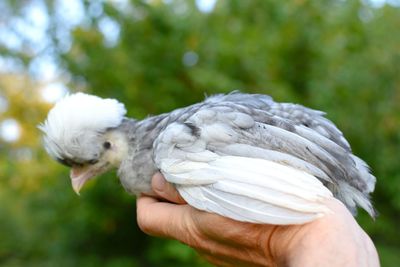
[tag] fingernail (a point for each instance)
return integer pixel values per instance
(158, 183)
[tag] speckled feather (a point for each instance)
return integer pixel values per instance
(250, 126)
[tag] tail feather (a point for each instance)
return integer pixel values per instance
(352, 197)
(365, 174)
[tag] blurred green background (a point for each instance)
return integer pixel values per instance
(340, 56)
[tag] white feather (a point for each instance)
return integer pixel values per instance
(241, 208)
(245, 150)
(78, 114)
(249, 189)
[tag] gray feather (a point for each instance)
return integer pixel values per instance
(251, 126)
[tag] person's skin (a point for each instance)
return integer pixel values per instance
(333, 240)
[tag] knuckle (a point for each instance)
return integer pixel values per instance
(195, 234)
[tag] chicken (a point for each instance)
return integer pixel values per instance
(243, 156)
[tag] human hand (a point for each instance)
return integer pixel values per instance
(333, 240)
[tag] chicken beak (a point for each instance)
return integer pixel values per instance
(80, 175)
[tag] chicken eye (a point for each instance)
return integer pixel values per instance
(107, 145)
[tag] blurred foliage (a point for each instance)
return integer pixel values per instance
(342, 57)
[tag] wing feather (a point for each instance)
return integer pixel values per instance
(238, 208)
(252, 190)
(255, 160)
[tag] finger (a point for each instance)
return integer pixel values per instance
(234, 258)
(226, 230)
(161, 219)
(166, 190)
(215, 260)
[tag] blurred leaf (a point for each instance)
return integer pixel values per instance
(342, 57)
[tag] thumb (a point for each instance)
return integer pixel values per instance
(165, 190)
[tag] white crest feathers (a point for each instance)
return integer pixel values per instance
(76, 115)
